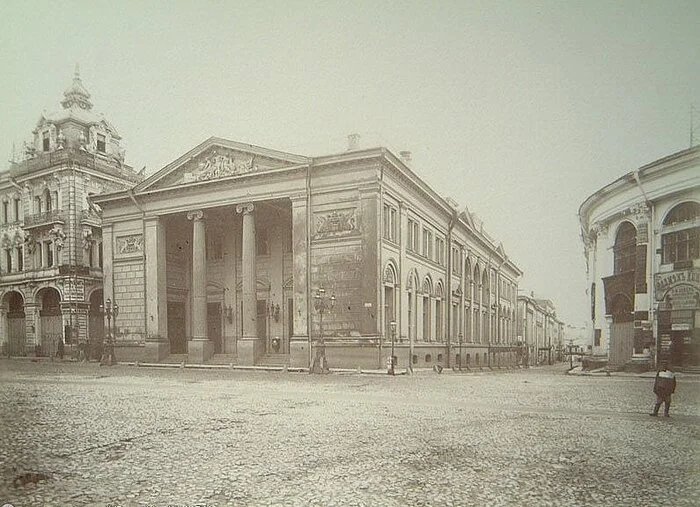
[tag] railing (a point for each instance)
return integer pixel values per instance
(70, 156)
(43, 218)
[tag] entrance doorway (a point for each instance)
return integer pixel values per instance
(176, 328)
(16, 328)
(214, 326)
(96, 326)
(50, 322)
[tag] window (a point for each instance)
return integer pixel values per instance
(427, 244)
(681, 245)
(389, 223)
(8, 259)
(46, 141)
(214, 247)
(91, 254)
(625, 249)
(5, 217)
(412, 236)
(426, 318)
(48, 254)
(596, 338)
(101, 143)
(438, 320)
(262, 244)
(17, 206)
(20, 258)
(39, 249)
(456, 260)
(440, 251)
(99, 254)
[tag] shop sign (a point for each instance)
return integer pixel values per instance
(665, 281)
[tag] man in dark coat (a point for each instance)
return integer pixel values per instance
(664, 386)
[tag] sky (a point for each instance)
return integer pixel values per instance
(517, 109)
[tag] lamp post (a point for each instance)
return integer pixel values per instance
(392, 367)
(321, 305)
(110, 310)
(460, 351)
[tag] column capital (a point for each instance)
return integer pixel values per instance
(195, 215)
(245, 208)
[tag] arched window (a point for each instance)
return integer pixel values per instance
(438, 312)
(625, 248)
(427, 291)
(681, 238)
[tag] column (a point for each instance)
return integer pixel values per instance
(199, 349)
(156, 290)
(248, 347)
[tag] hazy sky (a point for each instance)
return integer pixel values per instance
(518, 109)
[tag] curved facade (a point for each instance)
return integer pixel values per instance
(641, 235)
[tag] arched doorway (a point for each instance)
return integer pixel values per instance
(13, 303)
(50, 322)
(96, 325)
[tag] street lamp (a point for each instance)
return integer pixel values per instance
(392, 364)
(321, 304)
(110, 310)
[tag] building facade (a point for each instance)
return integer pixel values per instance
(232, 253)
(539, 331)
(50, 236)
(642, 244)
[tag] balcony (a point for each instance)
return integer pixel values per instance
(45, 218)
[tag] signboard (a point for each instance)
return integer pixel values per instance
(665, 281)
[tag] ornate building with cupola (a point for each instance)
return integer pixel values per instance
(51, 248)
(641, 235)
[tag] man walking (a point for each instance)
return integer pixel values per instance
(664, 386)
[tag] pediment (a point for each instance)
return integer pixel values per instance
(217, 159)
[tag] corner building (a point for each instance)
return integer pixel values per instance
(219, 256)
(51, 251)
(642, 243)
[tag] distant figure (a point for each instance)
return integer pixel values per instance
(664, 386)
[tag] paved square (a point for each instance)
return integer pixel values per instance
(136, 436)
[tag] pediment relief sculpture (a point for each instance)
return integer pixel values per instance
(220, 164)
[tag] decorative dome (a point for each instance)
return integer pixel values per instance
(76, 94)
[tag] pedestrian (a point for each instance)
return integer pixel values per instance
(664, 386)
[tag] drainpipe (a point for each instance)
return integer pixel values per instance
(381, 312)
(448, 291)
(651, 253)
(130, 193)
(308, 261)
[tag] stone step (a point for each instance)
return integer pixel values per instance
(223, 359)
(274, 360)
(175, 359)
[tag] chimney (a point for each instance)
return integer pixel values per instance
(405, 157)
(353, 142)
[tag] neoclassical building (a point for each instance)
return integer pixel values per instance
(50, 235)
(220, 257)
(642, 243)
(539, 330)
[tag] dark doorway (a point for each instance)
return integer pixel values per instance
(96, 327)
(176, 328)
(262, 318)
(214, 326)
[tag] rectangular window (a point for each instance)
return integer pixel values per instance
(17, 212)
(8, 259)
(681, 245)
(440, 251)
(46, 141)
(389, 223)
(5, 217)
(101, 143)
(438, 320)
(20, 258)
(596, 338)
(99, 254)
(393, 225)
(262, 244)
(413, 236)
(48, 258)
(91, 254)
(426, 318)
(427, 244)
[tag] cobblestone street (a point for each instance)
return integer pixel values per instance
(141, 436)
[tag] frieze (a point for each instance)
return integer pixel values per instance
(130, 244)
(641, 212)
(335, 223)
(220, 165)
